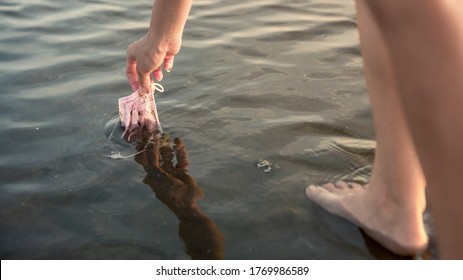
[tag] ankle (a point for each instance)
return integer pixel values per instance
(398, 197)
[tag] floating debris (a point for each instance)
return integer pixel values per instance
(118, 155)
(264, 165)
(137, 111)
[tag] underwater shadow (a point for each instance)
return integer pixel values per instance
(166, 165)
(381, 253)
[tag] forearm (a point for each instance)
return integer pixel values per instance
(168, 20)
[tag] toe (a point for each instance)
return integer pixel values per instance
(341, 185)
(356, 186)
(329, 187)
(313, 190)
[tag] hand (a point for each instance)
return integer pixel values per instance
(171, 183)
(159, 45)
(146, 56)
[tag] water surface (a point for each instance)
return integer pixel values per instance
(275, 80)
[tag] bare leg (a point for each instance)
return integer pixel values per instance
(425, 39)
(390, 207)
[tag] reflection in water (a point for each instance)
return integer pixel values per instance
(178, 190)
(379, 252)
(290, 79)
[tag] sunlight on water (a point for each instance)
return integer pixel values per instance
(273, 80)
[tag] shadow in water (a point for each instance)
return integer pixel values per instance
(379, 252)
(166, 165)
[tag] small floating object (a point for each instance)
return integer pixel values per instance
(118, 155)
(264, 165)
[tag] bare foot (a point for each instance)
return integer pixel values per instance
(397, 227)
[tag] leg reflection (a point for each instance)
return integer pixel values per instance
(167, 175)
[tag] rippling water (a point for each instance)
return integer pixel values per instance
(275, 80)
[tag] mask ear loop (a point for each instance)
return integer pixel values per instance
(114, 128)
(158, 87)
(118, 155)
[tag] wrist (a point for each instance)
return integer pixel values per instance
(162, 43)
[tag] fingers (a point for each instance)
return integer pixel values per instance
(131, 71)
(152, 155)
(148, 157)
(168, 65)
(138, 77)
(158, 74)
(141, 63)
(166, 156)
(169, 62)
(141, 158)
(144, 79)
(182, 155)
(144, 82)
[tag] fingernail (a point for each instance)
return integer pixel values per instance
(158, 76)
(169, 63)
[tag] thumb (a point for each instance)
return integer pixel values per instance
(143, 83)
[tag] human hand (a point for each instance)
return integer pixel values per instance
(159, 45)
(171, 183)
(145, 56)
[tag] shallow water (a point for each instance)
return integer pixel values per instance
(263, 80)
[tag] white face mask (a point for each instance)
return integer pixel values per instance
(138, 112)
